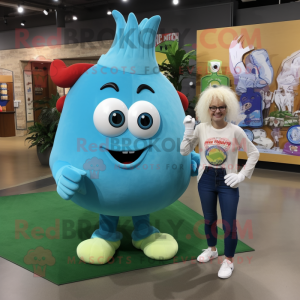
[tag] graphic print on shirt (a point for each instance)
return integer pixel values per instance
(216, 150)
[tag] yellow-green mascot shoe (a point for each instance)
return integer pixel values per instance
(97, 251)
(158, 246)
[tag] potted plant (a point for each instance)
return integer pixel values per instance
(43, 132)
(178, 66)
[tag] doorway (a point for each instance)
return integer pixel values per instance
(42, 85)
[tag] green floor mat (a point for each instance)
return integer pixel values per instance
(40, 232)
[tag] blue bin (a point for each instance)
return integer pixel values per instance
(3, 102)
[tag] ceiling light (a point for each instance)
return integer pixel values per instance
(46, 12)
(74, 18)
(20, 9)
(23, 23)
(175, 2)
(109, 12)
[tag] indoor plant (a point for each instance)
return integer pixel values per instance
(176, 67)
(43, 132)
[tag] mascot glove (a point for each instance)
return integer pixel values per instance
(189, 124)
(233, 179)
(68, 181)
(195, 163)
(236, 51)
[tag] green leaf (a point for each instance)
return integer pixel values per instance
(178, 59)
(172, 60)
(37, 108)
(44, 147)
(175, 46)
(188, 55)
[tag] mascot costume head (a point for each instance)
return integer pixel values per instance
(116, 151)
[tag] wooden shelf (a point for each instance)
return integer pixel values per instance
(7, 118)
(7, 124)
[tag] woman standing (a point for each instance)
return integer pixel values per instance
(219, 141)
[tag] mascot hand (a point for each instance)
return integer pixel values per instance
(232, 179)
(189, 124)
(195, 163)
(68, 181)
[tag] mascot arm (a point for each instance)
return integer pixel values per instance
(195, 163)
(68, 179)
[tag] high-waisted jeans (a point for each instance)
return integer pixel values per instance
(210, 186)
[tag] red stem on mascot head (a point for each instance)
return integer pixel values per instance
(66, 77)
(184, 100)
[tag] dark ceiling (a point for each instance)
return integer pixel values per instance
(10, 18)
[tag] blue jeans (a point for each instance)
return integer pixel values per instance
(211, 185)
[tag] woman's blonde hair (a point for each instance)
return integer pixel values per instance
(225, 94)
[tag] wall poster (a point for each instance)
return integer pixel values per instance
(263, 64)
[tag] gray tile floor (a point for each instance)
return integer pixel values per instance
(19, 164)
(269, 202)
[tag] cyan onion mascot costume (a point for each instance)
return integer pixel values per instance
(116, 151)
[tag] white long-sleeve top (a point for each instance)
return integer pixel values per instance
(219, 148)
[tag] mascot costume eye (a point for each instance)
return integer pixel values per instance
(116, 151)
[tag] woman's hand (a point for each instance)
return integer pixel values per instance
(232, 179)
(189, 124)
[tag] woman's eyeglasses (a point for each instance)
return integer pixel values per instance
(214, 108)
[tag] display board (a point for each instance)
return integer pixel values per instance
(28, 95)
(262, 62)
(6, 90)
(163, 41)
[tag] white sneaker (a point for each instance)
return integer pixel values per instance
(207, 255)
(226, 269)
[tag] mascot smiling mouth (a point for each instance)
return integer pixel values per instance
(126, 159)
